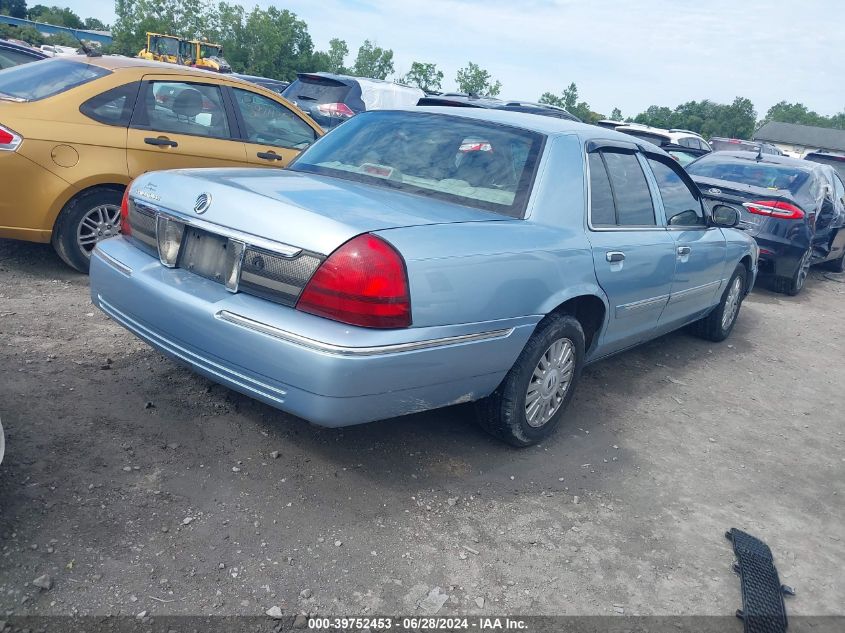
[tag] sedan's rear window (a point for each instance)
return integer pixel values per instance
(39, 80)
(749, 172)
(475, 163)
(317, 90)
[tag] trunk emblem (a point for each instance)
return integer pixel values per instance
(202, 203)
(714, 191)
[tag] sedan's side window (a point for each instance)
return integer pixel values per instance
(681, 204)
(183, 108)
(112, 107)
(630, 190)
(602, 209)
(270, 123)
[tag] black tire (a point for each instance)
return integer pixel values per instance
(836, 265)
(716, 326)
(793, 285)
(66, 232)
(503, 414)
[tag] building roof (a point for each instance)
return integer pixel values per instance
(806, 135)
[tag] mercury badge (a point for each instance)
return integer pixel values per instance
(202, 203)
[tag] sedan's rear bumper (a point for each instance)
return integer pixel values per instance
(326, 372)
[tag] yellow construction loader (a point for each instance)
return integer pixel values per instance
(209, 56)
(168, 48)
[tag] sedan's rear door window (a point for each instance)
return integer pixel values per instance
(630, 188)
(183, 108)
(602, 209)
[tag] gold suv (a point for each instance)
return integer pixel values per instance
(74, 131)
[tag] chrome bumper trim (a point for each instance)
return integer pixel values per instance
(115, 263)
(341, 350)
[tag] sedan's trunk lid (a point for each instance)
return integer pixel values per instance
(736, 194)
(312, 212)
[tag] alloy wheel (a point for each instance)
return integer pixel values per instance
(101, 222)
(732, 302)
(550, 382)
(803, 271)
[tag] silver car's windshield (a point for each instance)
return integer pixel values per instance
(475, 163)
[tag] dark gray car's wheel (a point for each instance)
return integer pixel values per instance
(86, 220)
(717, 325)
(793, 285)
(529, 404)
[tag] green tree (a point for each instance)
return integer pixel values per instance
(26, 34)
(338, 50)
(786, 112)
(476, 81)
(55, 15)
(616, 115)
(424, 76)
(705, 117)
(93, 24)
(373, 61)
(568, 100)
(13, 8)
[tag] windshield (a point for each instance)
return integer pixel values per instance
(475, 163)
(42, 79)
(164, 46)
(210, 50)
(749, 172)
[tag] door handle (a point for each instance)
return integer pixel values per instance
(160, 141)
(269, 156)
(684, 250)
(615, 256)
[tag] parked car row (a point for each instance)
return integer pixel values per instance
(470, 251)
(75, 131)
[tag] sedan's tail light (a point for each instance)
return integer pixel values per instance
(775, 209)
(364, 282)
(169, 234)
(336, 109)
(9, 140)
(125, 225)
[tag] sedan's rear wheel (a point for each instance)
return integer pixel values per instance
(529, 404)
(86, 220)
(793, 285)
(719, 323)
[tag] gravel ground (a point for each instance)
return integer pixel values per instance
(136, 485)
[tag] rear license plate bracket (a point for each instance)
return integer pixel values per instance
(204, 254)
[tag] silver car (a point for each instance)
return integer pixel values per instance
(416, 259)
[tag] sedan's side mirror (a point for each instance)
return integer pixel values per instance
(724, 216)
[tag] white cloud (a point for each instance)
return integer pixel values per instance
(627, 53)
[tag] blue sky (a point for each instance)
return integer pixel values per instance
(625, 53)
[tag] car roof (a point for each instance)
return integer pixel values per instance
(23, 49)
(550, 126)
(119, 63)
(771, 159)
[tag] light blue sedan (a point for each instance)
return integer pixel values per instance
(417, 259)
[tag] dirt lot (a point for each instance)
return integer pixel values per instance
(138, 486)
